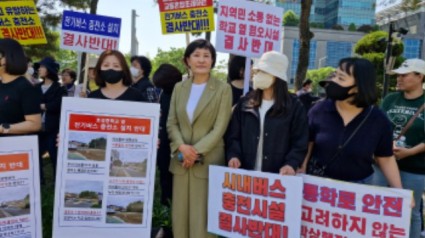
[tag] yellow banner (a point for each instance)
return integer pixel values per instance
(193, 20)
(19, 20)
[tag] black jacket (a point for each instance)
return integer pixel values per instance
(145, 86)
(53, 100)
(285, 137)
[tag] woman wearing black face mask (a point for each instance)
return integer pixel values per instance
(114, 78)
(347, 132)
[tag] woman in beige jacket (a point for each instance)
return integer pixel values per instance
(200, 110)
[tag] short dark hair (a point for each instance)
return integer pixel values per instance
(71, 73)
(235, 66)
(52, 76)
(166, 76)
(364, 75)
(200, 44)
(145, 64)
(16, 61)
(126, 79)
(307, 82)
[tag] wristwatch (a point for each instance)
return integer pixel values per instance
(6, 128)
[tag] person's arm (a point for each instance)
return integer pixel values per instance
(173, 128)
(31, 124)
(401, 153)
(233, 139)
(390, 170)
(298, 137)
(303, 167)
(55, 104)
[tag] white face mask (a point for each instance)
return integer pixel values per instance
(30, 71)
(262, 80)
(134, 71)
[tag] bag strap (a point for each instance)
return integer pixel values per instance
(340, 147)
(410, 122)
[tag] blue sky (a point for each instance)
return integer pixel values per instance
(77, 186)
(148, 26)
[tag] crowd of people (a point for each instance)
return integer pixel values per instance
(205, 121)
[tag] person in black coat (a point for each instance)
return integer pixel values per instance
(52, 93)
(140, 70)
(165, 78)
(268, 131)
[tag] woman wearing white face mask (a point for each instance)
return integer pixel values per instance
(268, 130)
(140, 69)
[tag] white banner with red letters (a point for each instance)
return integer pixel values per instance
(20, 203)
(334, 208)
(89, 33)
(248, 28)
(106, 169)
(246, 203)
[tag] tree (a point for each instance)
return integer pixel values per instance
(317, 75)
(173, 56)
(317, 25)
(366, 28)
(305, 36)
(337, 27)
(352, 27)
(372, 47)
(290, 18)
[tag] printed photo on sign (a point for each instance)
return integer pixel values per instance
(14, 201)
(124, 209)
(83, 194)
(128, 163)
(87, 146)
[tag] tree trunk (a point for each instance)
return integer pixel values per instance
(305, 37)
(93, 10)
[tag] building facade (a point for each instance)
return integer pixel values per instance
(411, 20)
(336, 12)
(326, 48)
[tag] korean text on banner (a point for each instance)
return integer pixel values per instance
(181, 16)
(106, 169)
(89, 33)
(246, 203)
(333, 208)
(20, 204)
(248, 28)
(19, 20)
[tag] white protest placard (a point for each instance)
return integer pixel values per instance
(20, 204)
(106, 169)
(248, 28)
(89, 33)
(334, 208)
(244, 203)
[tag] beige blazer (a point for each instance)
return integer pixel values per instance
(205, 133)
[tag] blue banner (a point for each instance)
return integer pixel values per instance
(92, 24)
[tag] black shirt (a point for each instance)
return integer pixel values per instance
(130, 94)
(327, 131)
(18, 99)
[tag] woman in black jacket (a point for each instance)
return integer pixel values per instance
(165, 78)
(52, 93)
(268, 130)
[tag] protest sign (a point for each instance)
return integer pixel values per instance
(248, 28)
(106, 169)
(19, 20)
(246, 203)
(333, 208)
(89, 33)
(20, 205)
(182, 16)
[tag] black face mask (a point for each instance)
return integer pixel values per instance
(337, 92)
(111, 76)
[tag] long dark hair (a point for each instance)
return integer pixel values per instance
(281, 96)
